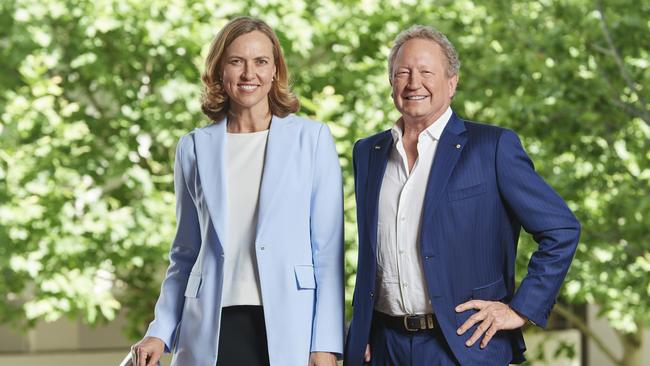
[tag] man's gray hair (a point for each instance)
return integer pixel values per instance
(430, 33)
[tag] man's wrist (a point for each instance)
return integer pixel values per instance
(524, 317)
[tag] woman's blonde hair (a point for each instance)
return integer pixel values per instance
(214, 101)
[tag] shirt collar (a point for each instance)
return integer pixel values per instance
(434, 131)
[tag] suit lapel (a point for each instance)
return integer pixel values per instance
(210, 145)
(451, 144)
(379, 154)
(280, 146)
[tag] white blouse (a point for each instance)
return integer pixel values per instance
(245, 163)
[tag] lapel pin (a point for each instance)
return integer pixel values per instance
(458, 146)
(377, 147)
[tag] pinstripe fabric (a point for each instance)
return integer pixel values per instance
(391, 347)
(482, 189)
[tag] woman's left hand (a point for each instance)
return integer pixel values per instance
(322, 359)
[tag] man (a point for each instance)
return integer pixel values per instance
(440, 203)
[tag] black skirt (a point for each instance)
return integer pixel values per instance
(242, 337)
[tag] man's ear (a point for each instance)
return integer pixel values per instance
(452, 83)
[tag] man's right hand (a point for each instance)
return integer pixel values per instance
(147, 352)
(366, 356)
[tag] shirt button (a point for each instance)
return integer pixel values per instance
(401, 251)
(403, 218)
(262, 248)
(405, 284)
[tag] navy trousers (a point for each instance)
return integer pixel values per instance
(391, 347)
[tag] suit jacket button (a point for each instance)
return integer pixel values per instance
(372, 294)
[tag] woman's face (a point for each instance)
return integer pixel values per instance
(248, 71)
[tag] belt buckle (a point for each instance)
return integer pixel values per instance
(406, 323)
(430, 324)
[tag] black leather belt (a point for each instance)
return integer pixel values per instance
(408, 323)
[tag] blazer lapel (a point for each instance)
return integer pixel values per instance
(210, 143)
(280, 145)
(378, 161)
(451, 145)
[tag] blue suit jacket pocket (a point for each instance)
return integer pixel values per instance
(493, 291)
(193, 284)
(467, 192)
(305, 276)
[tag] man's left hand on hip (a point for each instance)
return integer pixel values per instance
(493, 316)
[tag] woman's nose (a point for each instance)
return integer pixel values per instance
(249, 72)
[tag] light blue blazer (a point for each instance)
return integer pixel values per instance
(298, 243)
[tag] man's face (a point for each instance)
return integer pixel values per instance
(421, 89)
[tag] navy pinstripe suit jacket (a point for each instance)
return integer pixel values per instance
(481, 190)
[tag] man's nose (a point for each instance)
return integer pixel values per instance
(415, 81)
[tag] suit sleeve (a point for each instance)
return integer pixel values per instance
(326, 227)
(355, 156)
(182, 255)
(543, 214)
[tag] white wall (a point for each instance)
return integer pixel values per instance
(595, 356)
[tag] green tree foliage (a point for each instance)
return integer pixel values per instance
(95, 94)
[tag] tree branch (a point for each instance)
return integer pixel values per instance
(613, 51)
(632, 343)
(626, 107)
(112, 184)
(584, 328)
(632, 110)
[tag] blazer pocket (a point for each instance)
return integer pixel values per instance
(305, 276)
(493, 291)
(467, 192)
(193, 284)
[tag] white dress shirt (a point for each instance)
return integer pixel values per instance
(245, 163)
(401, 285)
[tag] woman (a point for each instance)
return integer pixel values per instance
(256, 268)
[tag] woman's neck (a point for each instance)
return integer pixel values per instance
(248, 120)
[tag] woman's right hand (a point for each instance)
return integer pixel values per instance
(367, 356)
(147, 352)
